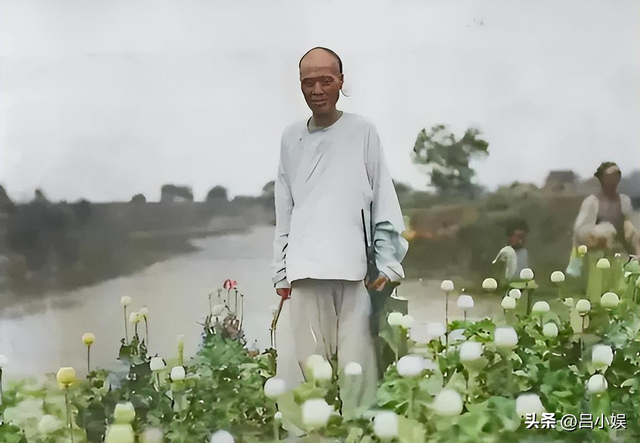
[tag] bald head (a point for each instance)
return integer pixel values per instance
(320, 58)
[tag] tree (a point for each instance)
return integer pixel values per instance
(173, 193)
(449, 158)
(139, 198)
(217, 193)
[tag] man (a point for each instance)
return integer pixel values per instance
(331, 168)
(515, 254)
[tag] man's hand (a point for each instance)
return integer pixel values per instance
(379, 283)
(284, 293)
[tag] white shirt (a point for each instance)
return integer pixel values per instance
(325, 178)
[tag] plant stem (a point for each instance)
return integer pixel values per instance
(146, 331)
(410, 410)
(69, 417)
(126, 326)
(89, 359)
(1, 397)
(509, 375)
(210, 307)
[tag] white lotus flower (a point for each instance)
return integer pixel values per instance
(515, 294)
(603, 263)
(557, 277)
(125, 301)
(601, 357)
(526, 274)
(582, 249)
(609, 300)
(222, 437)
(152, 435)
(508, 303)
(218, 309)
(135, 317)
(410, 366)
(277, 416)
(316, 413)
(448, 403)
(540, 307)
(505, 338)
(568, 302)
(120, 433)
(157, 364)
(178, 373)
(49, 424)
(489, 284)
(406, 322)
(550, 330)
(88, 339)
(529, 404)
(3, 361)
(275, 387)
(323, 371)
(66, 376)
(435, 329)
(144, 312)
(353, 368)
(465, 302)
(385, 425)
(124, 413)
(447, 286)
(314, 360)
(597, 384)
(394, 319)
(470, 351)
(583, 306)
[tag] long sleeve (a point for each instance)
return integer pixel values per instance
(284, 207)
(587, 217)
(390, 246)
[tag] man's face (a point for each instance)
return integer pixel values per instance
(518, 238)
(610, 178)
(320, 81)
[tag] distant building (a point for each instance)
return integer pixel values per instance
(561, 182)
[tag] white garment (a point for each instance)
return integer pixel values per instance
(325, 179)
(331, 317)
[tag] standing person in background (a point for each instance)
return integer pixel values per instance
(515, 255)
(331, 168)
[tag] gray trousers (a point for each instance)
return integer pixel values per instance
(331, 317)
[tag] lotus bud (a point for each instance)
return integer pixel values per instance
(66, 377)
(568, 302)
(529, 404)
(609, 300)
(410, 366)
(88, 339)
(120, 433)
(144, 312)
(152, 435)
(447, 286)
(385, 425)
(597, 384)
(550, 330)
(323, 371)
(135, 317)
(353, 368)
(394, 319)
(603, 263)
(557, 277)
(316, 413)
(465, 302)
(406, 322)
(178, 373)
(489, 284)
(601, 357)
(315, 360)
(49, 424)
(505, 338)
(582, 250)
(125, 301)
(435, 330)
(277, 416)
(124, 413)
(515, 294)
(274, 388)
(222, 437)
(583, 307)
(540, 307)
(508, 303)
(157, 364)
(448, 403)
(470, 351)
(526, 274)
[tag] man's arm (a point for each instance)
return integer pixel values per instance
(284, 206)
(390, 246)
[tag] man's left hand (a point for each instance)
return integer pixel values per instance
(379, 283)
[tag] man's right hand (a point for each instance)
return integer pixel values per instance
(284, 293)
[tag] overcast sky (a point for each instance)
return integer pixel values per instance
(106, 99)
